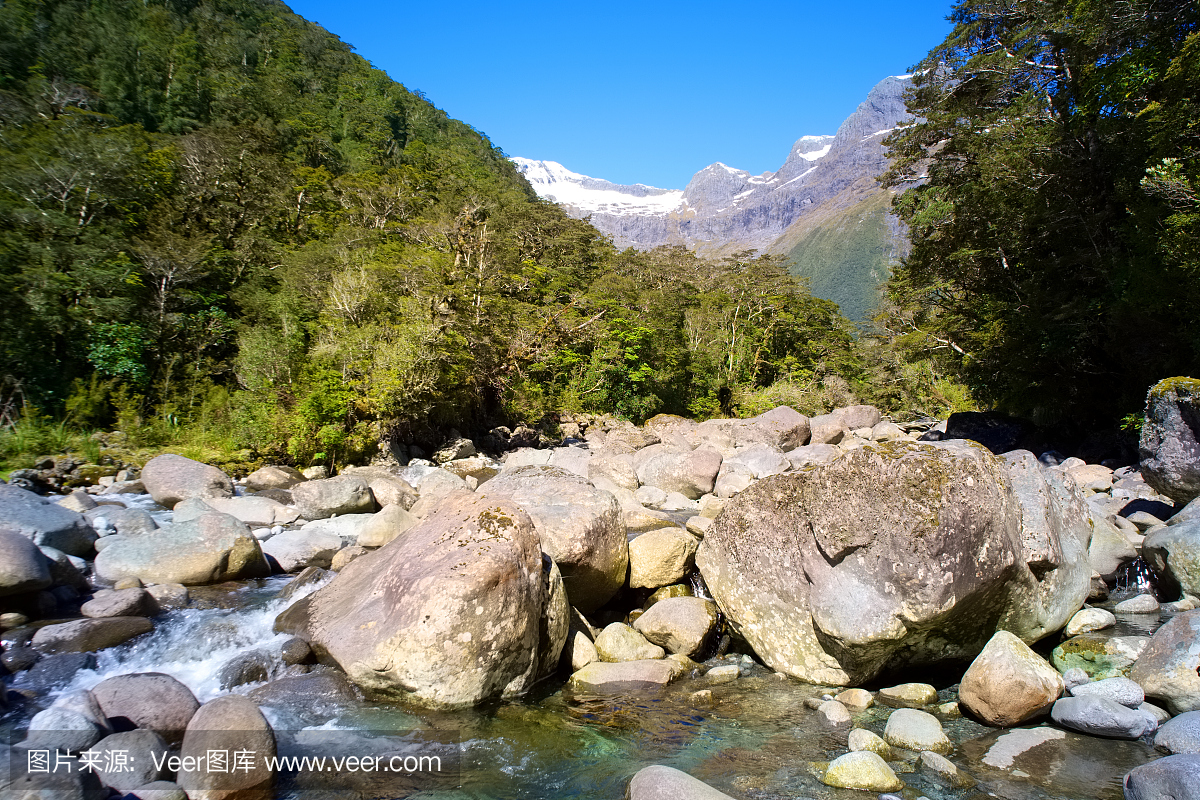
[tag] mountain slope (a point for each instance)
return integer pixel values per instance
(723, 210)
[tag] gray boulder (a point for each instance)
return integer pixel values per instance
(23, 568)
(762, 459)
(660, 557)
(1118, 689)
(579, 526)
(1169, 449)
(132, 602)
(447, 615)
(1170, 778)
(149, 700)
(170, 478)
(829, 573)
(60, 728)
(679, 624)
(692, 474)
(827, 429)
(209, 549)
(125, 521)
(89, 635)
(394, 520)
(273, 477)
(44, 521)
(229, 723)
(1173, 553)
(1180, 734)
(294, 550)
(1099, 716)
(345, 494)
(733, 478)
(257, 512)
(141, 748)
(615, 468)
(619, 642)
(1169, 668)
(604, 677)
(667, 783)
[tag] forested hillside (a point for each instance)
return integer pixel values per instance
(1056, 233)
(215, 216)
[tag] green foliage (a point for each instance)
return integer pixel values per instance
(1054, 265)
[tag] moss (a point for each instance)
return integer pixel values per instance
(1179, 387)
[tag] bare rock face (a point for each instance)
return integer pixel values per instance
(170, 478)
(448, 615)
(579, 526)
(1170, 443)
(894, 554)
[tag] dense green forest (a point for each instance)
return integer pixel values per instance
(215, 217)
(1055, 229)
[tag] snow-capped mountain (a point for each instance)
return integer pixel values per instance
(724, 210)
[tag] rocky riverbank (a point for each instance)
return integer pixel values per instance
(918, 591)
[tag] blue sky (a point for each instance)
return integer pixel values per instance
(640, 92)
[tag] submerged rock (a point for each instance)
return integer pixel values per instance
(861, 769)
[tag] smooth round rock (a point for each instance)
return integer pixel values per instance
(1087, 620)
(861, 769)
(916, 730)
(149, 700)
(863, 739)
(907, 695)
(1174, 777)
(1008, 683)
(1099, 716)
(1180, 734)
(1119, 690)
(833, 714)
(1142, 604)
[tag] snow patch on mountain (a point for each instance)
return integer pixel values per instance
(553, 181)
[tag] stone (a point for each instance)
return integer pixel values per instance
(23, 567)
(322, 689)
(1180, 734)
(1171, 778)
(912, 729)
(149, 700)
(392, 490)
(296, 549)
(1173, 554)
(1099, 716)
(1168, 668)
(667, 783)
(124, 521)
(732, 479)
(273, 476)
(59, 728)
(324, 498)
(679, 624)
(12, 619)
(833, 714)
(692, 474)
(940, 769)
(660, 557)
(855, 699)
(1142, 604)
(863, 770)
(579, 527)
(813, 455)
(139, 768)
(230, 723)
(1098, 655)
(347, 554)
(45, 522)
(1094, 477)
(295, 651)
(908, 695)
(826, 573)
(1087, 620)
(454, 450)
(762, 460)
(1118, 689)
(603, 677)
(168, 595)
(55, 670)
(863, 740)
(581, 649)
(210, 549)
(170, 478)
(698, 526)
(255, 511)
(1074, 677)
(79, 501)
(254, 666)
(132, 602)
(650, 496)
(723, 674)
(386, 525)
(89, 635)
(615, 468)
(1109, 549)
(1008, 684)
(455, 608)
(619, 642)
(1169, 450)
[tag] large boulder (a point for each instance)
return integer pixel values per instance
(295, 550)
(1008, 683)
(897, 553)
(447, 615)
(23, 568)
(273, 476)
(660, 557)
(1169, 668)
(1171, 778)
(149, 700)
(580, 527)
(257, 512)
(230, 723)
(1170, 443)
(1173, 553)
(692, 474)
(345, 494)
(170, 478)
(1055, 535)
(607, 677)
(679, 624)
(89, 635)
(781, 427)
(45, 522)
(209, 549)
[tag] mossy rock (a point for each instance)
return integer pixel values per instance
(1098, 655)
